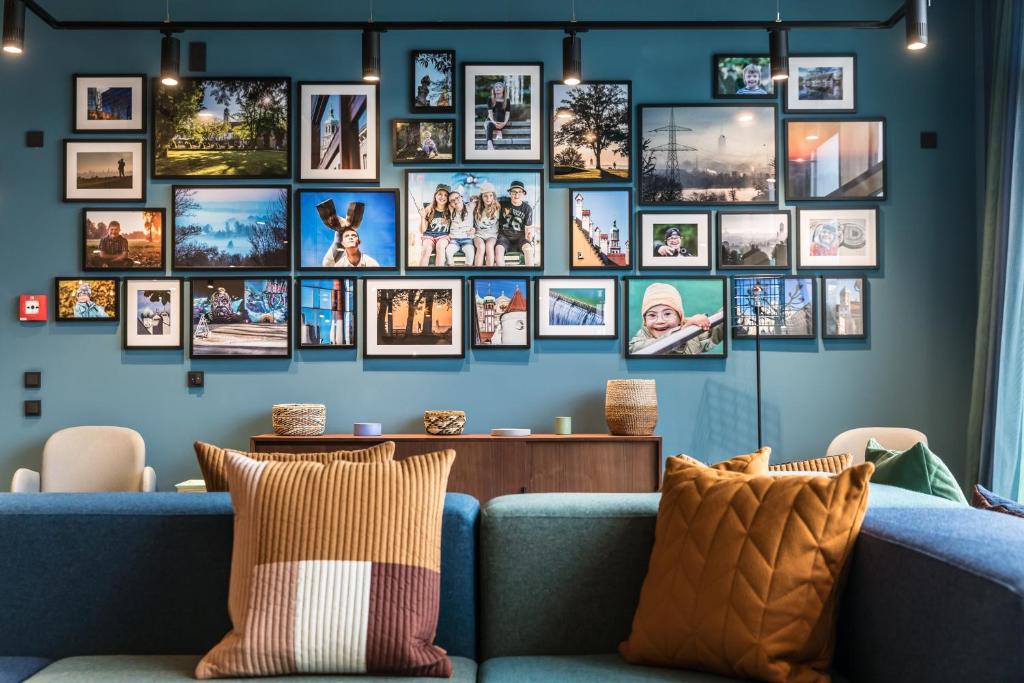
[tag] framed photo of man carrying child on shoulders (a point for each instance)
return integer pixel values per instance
(502, 112)
(474, 219)
(676, 317)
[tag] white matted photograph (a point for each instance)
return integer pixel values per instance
(576, 307)
(110, 103)
(837, 238)
(412, 317)
(339, 131)
(675, 241)
(153, 313)
(821, 83)
(107, 170)
(502, 112)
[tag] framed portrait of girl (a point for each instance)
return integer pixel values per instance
(502, 112)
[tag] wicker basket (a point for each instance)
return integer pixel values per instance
(299, 419)
(631, 407)
(444, 422)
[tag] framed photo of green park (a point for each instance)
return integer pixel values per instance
(591, 132)
(222, 128)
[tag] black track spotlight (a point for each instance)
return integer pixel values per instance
(778, 49)
(170, 59)
(916, 19)
(371, 55)
(572, 59)
(14, 26)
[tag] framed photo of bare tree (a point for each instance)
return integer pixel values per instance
(591, 132)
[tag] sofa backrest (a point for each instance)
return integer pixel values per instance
(147, 573)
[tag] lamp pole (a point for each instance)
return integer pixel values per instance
(756, 293)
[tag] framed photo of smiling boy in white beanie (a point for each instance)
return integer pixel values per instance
(681, 317)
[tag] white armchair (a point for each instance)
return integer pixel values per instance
(855, 441)
(80, 459)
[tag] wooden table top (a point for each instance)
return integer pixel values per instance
(458, 437)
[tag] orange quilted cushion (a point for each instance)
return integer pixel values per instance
(752, 463)
(745, 571)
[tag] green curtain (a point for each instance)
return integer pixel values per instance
(996, 427)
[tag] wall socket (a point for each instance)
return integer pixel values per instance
(33, 379)
(33, 408)
(195, 379)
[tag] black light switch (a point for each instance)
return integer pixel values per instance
(34, 138)
(33, 408)
(33, 380)
(929, 140)
(195, 379)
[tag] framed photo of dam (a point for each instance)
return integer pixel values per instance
(576, 308)
(675, 317)
(347, 229)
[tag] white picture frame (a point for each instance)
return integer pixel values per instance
(550, 290)
(820, 83)
(367, 156)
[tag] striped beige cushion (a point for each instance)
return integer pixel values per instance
(833, 464)
(211, 459)
(335, 568)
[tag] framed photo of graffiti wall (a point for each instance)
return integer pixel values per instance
(413, 317)
(339, 131)
(240, 317)
(576, 308)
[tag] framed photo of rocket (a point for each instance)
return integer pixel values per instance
(500, 312)
(241, 317)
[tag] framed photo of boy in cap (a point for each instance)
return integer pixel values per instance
(347, 229)
(474, 219)
(675, 241)
(681, 317)
(502, 112)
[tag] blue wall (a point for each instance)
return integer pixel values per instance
(913, 371)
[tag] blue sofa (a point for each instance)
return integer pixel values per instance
(535, 588)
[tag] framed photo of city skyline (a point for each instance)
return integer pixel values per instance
(753, 240)
(227, 127)
(601, 229)
(107, 170)
(339, 131)
(413, 317)
(109, 103)
(707, 153)
(821, 83)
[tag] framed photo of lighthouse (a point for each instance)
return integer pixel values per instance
(707, 153)
(353, 229)
(500, 312)
(413, 317)
(339, 131)
(576, 308)
(326, 313)
(601, 229)
(501, 111)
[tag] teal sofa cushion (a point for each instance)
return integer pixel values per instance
(916, 469)
(178, 668)
(17, 669)
(587, 669)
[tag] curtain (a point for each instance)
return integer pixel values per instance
(996, 427)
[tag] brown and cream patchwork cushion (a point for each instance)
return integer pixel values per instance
(211, 459)
(833, 464)
(335, 568)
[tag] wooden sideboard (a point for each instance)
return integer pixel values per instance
(490, 466)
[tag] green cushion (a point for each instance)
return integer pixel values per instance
(588, 669)
(167, 668)
(916, 469)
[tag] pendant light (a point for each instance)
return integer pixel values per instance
(778, 48)
(916, 20)
(14, 26)
(371, 52)
(170, 53)
(572, 59)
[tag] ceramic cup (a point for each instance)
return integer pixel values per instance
(563, 425)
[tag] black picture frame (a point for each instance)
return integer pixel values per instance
(469, 127)
(297, 310)
(865, 307)
(475, 323)
(628, 178)
(375, 139)
(299, 192)
(140, 166)
(540, 280)
(417, 109)
(512, 170)
(370, 314)
(286, 189)
(738, 319)
(626, 336)
(628, 266)
(790, 197)
(749, 55)
(724, 215)
(435, 121)
(163, 240)
(198, 282)
(643, 247)
(108, 319)
(143, 86)
(825, 55)
(182, 309)
(770, 183)
(875, 265)
(155, 112)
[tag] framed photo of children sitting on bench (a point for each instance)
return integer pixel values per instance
(675, 317)
(353, 229)
(474, 219)
(501, 112)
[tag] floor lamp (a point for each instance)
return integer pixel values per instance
(756, 295)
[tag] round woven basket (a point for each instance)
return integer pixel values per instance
(444, 422)
(631, 407)
(299, 419)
